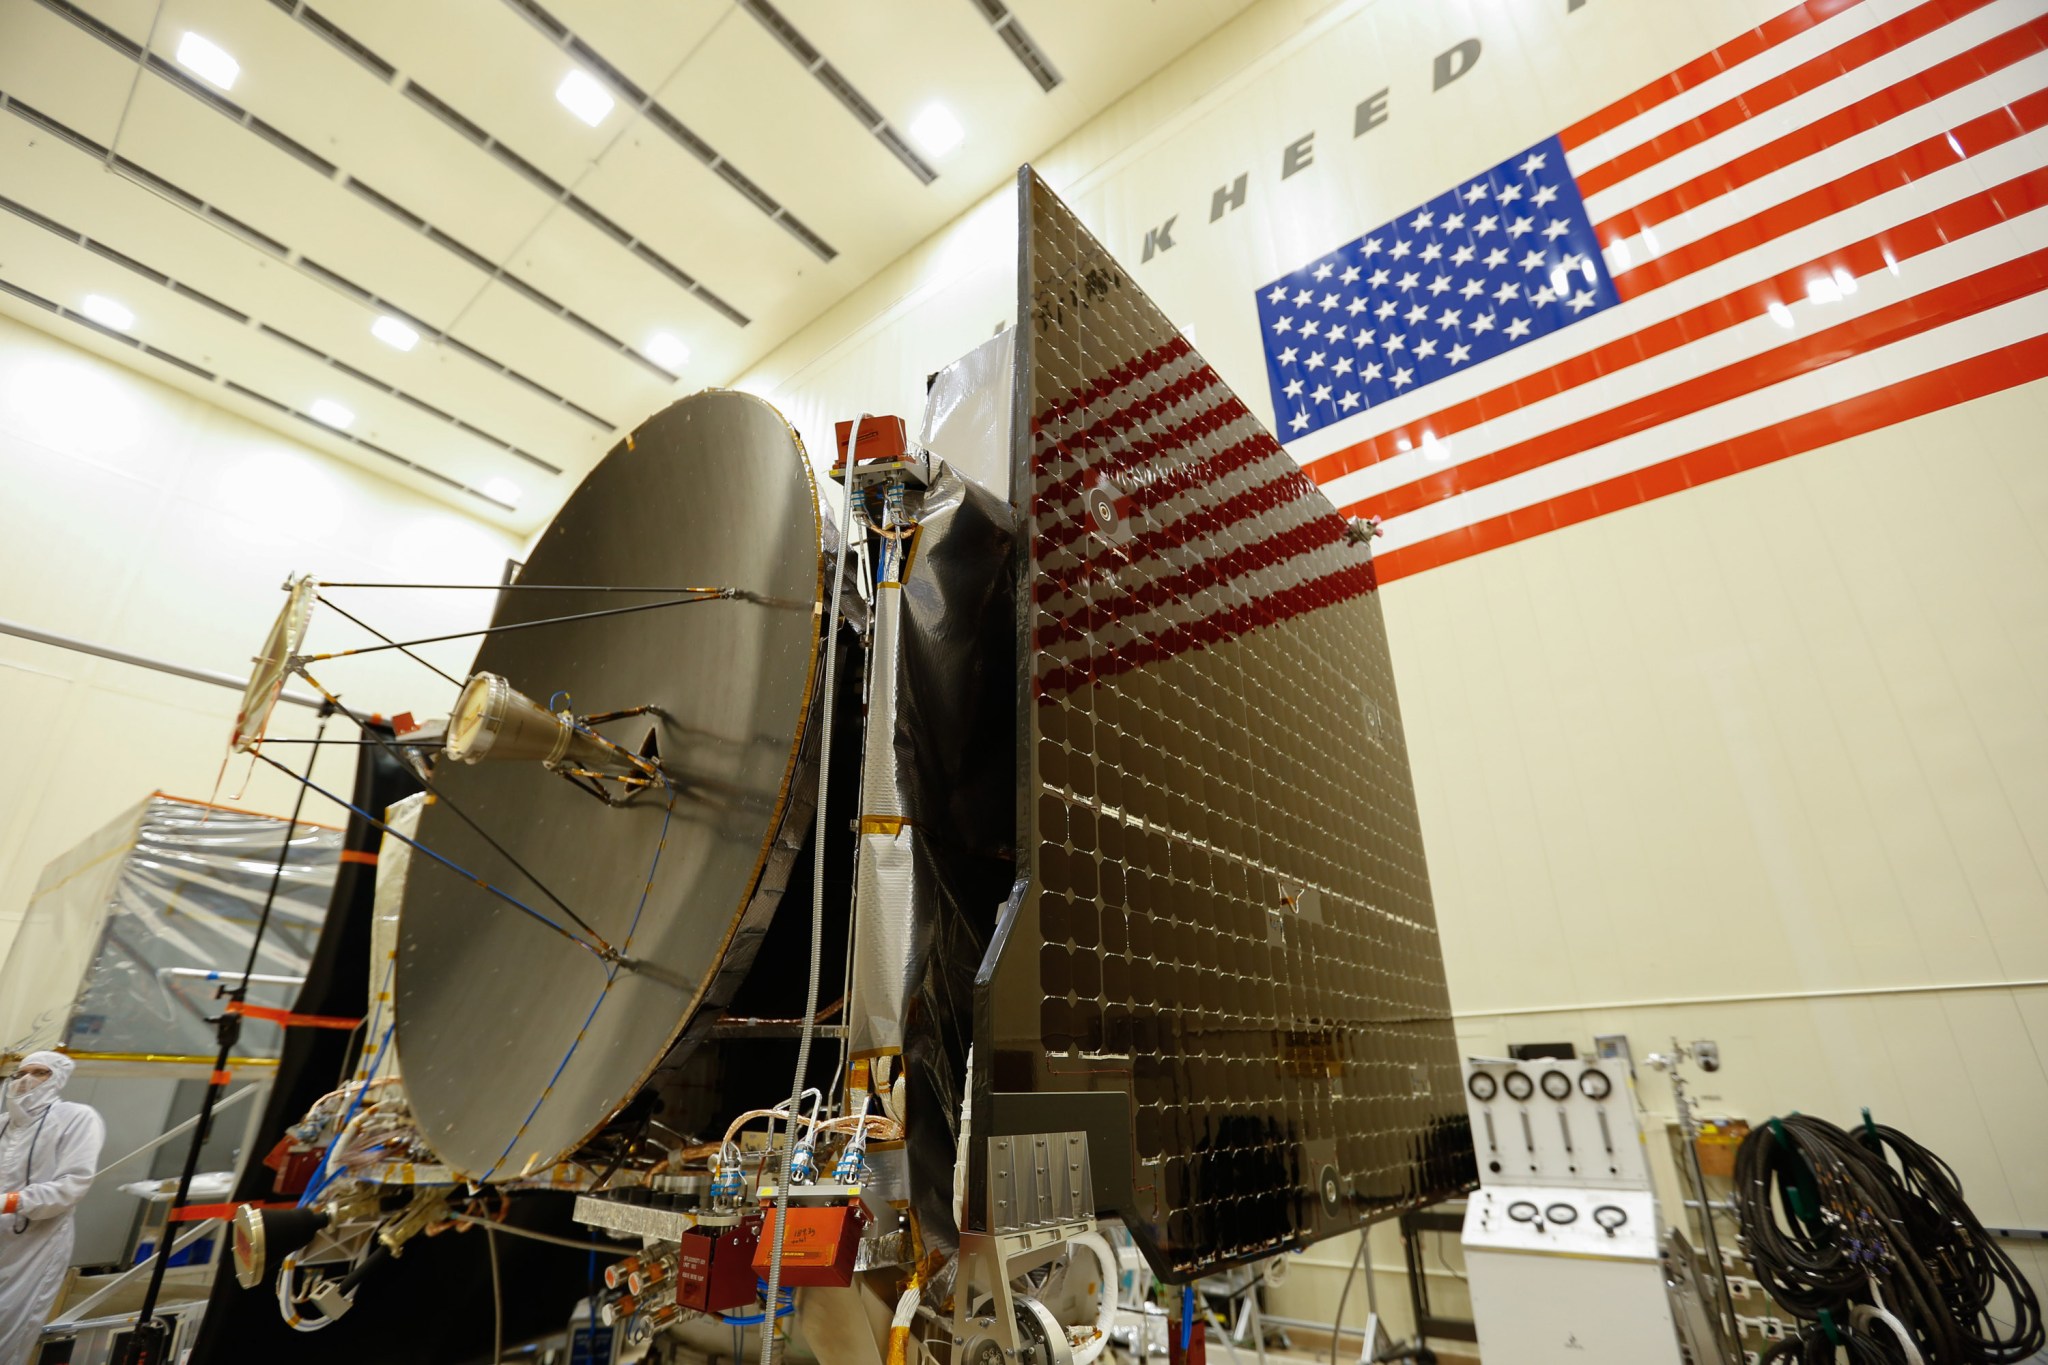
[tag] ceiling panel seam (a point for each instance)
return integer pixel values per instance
(52, 306)
(184, 199)
(228, 108)
(162, 280)
(1028, 53)
(829, 76)
(640, 101)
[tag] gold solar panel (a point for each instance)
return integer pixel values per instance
(1224, 960)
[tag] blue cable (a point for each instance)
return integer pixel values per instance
(328, 1177)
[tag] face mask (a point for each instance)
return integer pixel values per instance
(24, 1084)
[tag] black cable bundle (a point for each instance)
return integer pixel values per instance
(1839, 1224)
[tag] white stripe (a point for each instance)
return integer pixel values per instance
(1702, 286)
(1967, 256)
(1815, 105)
(1760, 410)
(1929, 121)
(1726, 85)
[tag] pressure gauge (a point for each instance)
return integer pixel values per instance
(1610, 1217)
(1519, 1086)
(1483, 1086)
(1557, 1085)
(1522, 1211)
(1561, 1214)
(1595, 1085)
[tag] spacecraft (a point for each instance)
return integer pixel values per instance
(860, 910)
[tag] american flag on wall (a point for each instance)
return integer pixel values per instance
(1829, 225)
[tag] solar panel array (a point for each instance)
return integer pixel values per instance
(1227, 916)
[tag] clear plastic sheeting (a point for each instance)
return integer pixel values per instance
(109, 953)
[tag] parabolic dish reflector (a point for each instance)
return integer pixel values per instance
(516, 1043)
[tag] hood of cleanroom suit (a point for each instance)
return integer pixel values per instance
(49, 1148)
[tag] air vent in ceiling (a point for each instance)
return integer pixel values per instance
(829, 76)
(1029, 54)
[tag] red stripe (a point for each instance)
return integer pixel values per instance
(1809, 75)
(1871, 111)
(1131, 414)
(1734, 52)
(1286, 604)
(1114, 379)
(1142, 450)
(1916, 397)
(1915, 237)
(1195, 474)
(1936, 153)
(1909, 317)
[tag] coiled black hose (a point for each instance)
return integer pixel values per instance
(1832, 1220)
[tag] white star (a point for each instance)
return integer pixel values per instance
(1425, 348)
(1287, 356)
(1485, 225)
(1400, 250)
(1310, 328)
(1350, 275)
(1482, 323)
(1533, 163)
(1379, 277)
(1438, 285)
(1508, 290)
(1449, 317)
(1510, 193)
(1371, 247)
(1299, 421)
(1558, 228)
(1496, 258)
(1515, 229)
(1416, 313)
(1301, 299)
(1355, 307)
(1460, 353)
(1475, 193)
(1581, 301)
(1370, 372)
(1533, 260)
(1279, 293)
(1327, 302)
(1403, 378)
(1396, 343)
(1293, 389)
(1343, 365)
(1463, 254)
(1432, 251)
(1336, 333)
(1422, 220)
(1386, 310)
(1282, 324)
(1543, 297)
(1517, 328)
(1324, 271)
(1366, 336)
(1454, 222)
(1473, 288)
(1572, 261)
(1409, 280)
(1315, 360)
(1321, 395)
(1544, 195)
(1349, 400)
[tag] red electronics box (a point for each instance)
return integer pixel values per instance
(715, 1267)
(881, 439)
(818, 1249)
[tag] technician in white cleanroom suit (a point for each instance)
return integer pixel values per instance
(49, 1149)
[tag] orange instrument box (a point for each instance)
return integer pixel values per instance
(818, 1249)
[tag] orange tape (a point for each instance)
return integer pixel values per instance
(222, 1077)
(194, 1213)
(271, 1014)
(359, 855)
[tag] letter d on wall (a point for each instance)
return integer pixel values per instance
(1456, 62)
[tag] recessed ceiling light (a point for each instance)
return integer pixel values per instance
(584, 98)
(330, 413)
(667, 352)
(107, 313)
(392, 332)
(208, 60)
(503, 490)
(936, 130)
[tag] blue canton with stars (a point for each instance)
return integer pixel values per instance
(1500, 260)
